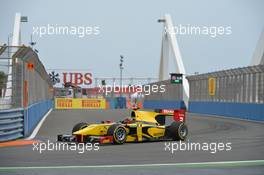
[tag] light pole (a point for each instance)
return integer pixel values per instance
(32, 43)
(8, 44)
(121, 72)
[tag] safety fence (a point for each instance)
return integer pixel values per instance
(29, 89)
(31, 78)
(235, 92)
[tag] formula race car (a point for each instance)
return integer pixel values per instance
(140, 126)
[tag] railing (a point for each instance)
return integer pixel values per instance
(11, 124)
(240, 85)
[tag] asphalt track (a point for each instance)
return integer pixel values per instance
(246, 138)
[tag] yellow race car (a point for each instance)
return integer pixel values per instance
(140, 126)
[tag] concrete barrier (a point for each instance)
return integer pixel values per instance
(163, 104)
(249, 111)
(34, 113)
(116, 103)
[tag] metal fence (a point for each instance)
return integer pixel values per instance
(29, 94)
(240, 85)
(30, 81)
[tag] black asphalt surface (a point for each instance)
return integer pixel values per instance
(245, 138)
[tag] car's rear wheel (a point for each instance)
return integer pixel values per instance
(79, 126)
(118, 132)
(177, 131)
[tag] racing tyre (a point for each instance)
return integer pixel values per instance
(79, 126)
(118, 132)
(177, 131)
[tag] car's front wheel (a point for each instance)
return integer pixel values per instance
(118, 132)
(79, 126)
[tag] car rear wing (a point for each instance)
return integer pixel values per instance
(178, 114)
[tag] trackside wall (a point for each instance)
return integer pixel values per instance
(32, 94)
(235, 93)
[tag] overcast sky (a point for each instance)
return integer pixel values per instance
(130, 28)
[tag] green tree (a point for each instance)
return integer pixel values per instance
(3, 78)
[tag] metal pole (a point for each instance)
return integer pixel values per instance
(121, 83)
(8, 44)
(121, 73)
(8, 53)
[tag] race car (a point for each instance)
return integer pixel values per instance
(140, 126)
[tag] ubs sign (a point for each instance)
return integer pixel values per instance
(77, 78)
(59, 78)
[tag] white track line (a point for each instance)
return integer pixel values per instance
(233, 163)
(34, 133)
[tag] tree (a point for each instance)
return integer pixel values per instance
(3, 78)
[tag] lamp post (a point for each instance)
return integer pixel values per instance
(8, 44)
(121, 72)
(32, 43)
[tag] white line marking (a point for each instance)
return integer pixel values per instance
(252, 162)
(35, 131)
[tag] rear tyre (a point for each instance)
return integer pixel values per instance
(118, 132)
(177, 131)
(79, 126)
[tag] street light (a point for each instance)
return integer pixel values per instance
(161, 20)
(121, 72)
(8, 44)
(23, 19)
(32, 43)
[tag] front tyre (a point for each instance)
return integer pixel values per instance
(177, 131)
(79, 126)
(118, 132)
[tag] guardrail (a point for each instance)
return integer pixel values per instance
(18, 123)
(11, 124)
